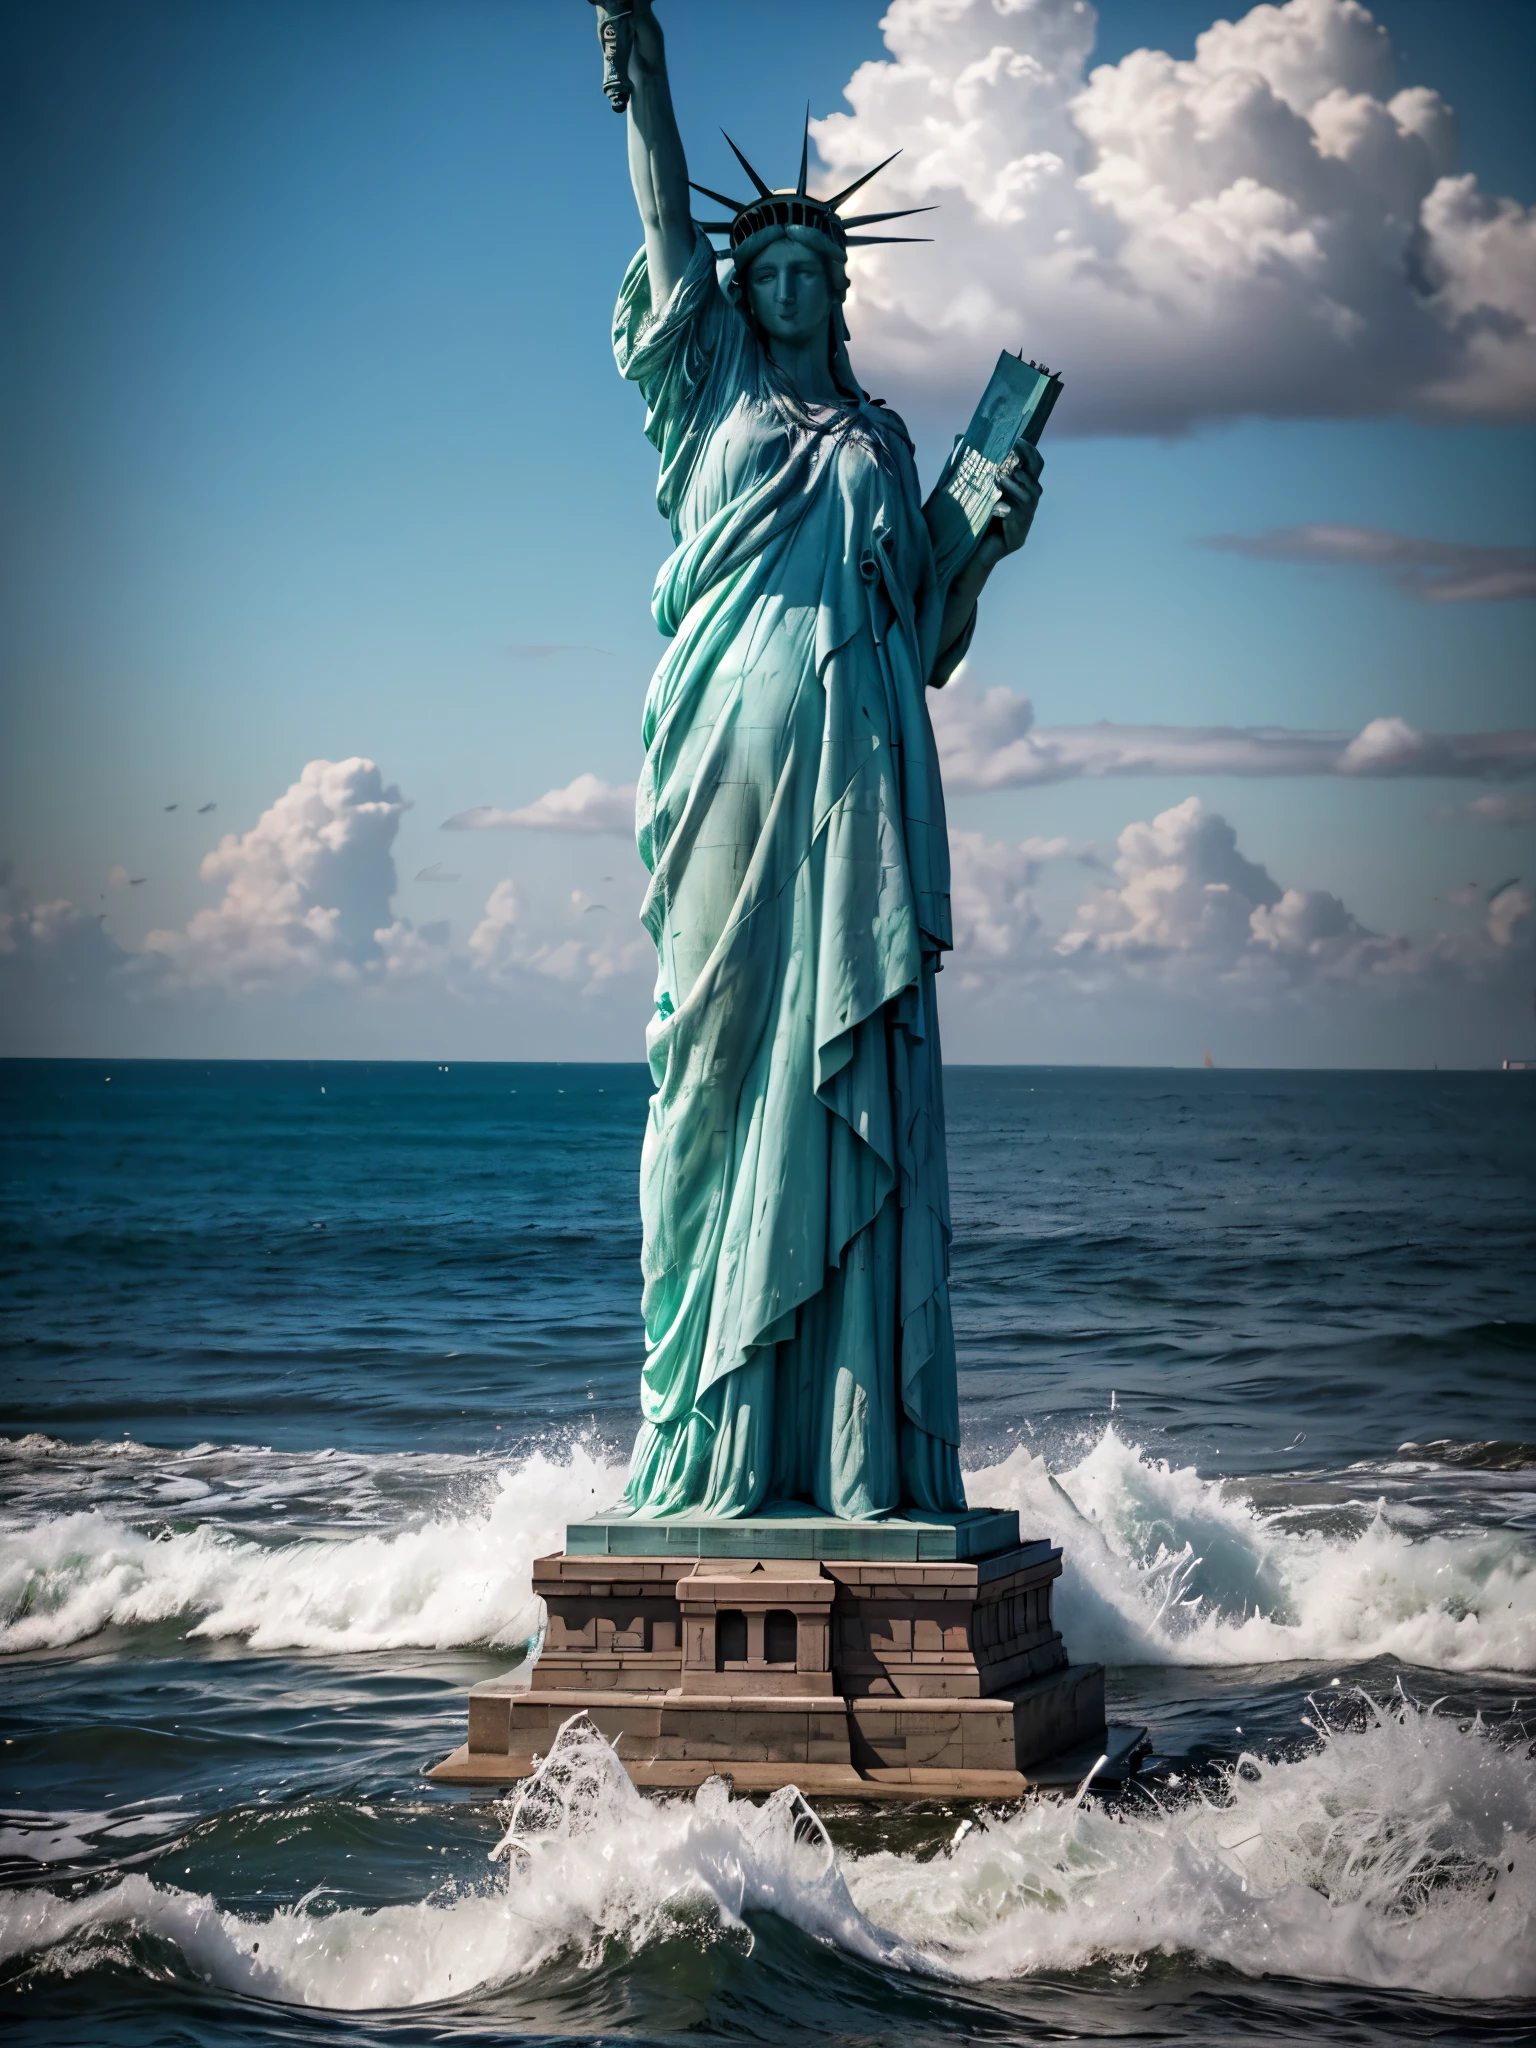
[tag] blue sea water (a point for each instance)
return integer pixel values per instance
(303, 1365)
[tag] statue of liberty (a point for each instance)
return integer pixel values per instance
(794, 1188)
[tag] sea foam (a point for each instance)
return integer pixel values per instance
(1398, 1852)
(453, 1576)
(1162, 1564)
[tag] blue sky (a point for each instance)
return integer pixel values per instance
(315, 450)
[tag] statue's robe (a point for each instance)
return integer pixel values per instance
(794, 1189)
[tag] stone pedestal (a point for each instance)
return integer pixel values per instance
(911, 1657)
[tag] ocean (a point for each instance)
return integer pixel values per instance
(304, 1364)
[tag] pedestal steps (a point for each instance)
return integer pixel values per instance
(774, 1657)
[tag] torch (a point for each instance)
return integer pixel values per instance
(613, 33)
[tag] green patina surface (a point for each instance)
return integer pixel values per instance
(913, 1537)
(793, 1191)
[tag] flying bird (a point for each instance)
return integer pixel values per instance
(204, 809)
(137, 881)
(168, 807)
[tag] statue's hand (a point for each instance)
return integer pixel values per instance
(1019, 494)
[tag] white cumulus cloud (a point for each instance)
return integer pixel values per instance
(988, 740)
(586, 805)
(1273, 226)
(302, 949)
(991, 898)
(513, 940)
(1184, 888)
(68, 941)
(306, 891)
(1510, 917)
(1189, 942)
(58, 967)
(415, 952)
(1188, 913)
(307, 904)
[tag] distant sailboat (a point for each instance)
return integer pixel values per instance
(1209, 1061)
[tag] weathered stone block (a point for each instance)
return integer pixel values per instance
(1056, 1712)
(759, 1625)
(944, 1676)
(490, 1722)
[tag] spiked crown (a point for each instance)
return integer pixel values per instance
(769, 209)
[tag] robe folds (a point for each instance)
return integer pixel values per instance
(794, 1187)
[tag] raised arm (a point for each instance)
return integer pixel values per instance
(658, 169)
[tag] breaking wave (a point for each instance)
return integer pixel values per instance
(1398, 1852)
(459, 1573)
(1163, 1566)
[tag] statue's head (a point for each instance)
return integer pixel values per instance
(789, 282)
(789, 251)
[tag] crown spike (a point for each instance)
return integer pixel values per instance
(715, 227)
(736, 205)
(867, 220)
(805, 152)
(848, 190)
(763, 191)
(864, 241)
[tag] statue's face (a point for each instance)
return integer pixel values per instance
(789, 292)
